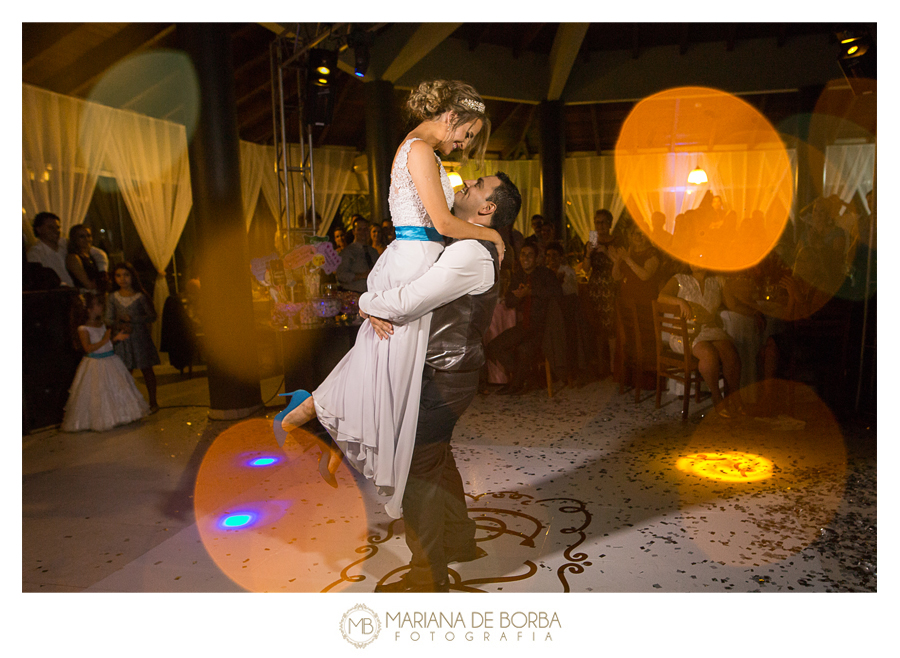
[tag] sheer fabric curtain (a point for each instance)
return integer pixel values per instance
(331, 172)
(253, 161)
(590, 184)
(746, 181)
(849, 170)
(149, 161)
(526, 174)
(752, 180)
(63, 141)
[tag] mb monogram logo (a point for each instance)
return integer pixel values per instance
(360, 626)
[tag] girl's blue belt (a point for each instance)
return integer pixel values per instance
(101, 355)
(418, 233)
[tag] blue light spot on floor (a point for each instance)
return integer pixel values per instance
(264, 461)
(233, 521)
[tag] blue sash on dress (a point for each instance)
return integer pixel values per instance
(421, 233)
(102, 355)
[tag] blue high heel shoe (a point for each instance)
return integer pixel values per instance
(297, 398)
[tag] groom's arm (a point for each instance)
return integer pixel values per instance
(465, 267)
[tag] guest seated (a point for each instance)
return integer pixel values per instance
(80, 262)
(532, 292)
(358, 258)
(700, 296)
(49, 251)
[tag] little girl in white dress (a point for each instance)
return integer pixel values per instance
(370, 402)
(103, 393)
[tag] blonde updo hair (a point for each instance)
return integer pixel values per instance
(432, 99)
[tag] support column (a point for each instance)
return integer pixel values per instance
(381, 143)
(229, 343)
(551, 129)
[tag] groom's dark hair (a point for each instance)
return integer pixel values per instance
(508, 201)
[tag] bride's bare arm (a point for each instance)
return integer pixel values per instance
(426, 176)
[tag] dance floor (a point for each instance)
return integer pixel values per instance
(583, 492)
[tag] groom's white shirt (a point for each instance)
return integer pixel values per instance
(465, 267)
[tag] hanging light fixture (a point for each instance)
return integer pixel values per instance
(697, 177)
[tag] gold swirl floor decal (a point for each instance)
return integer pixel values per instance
(516, 531)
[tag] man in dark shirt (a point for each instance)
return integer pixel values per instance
(533, 292)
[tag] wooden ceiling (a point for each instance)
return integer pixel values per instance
(564, 61)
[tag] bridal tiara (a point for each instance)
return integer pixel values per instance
(472, 105)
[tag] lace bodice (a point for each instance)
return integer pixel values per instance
(403, 199)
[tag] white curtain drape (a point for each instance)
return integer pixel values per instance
(746, 180)
(149, 161)
(332, 168)
(252, 165)
(590, 184)
(526, 174)
(849, 170)
(63, 141)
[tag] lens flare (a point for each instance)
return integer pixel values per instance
(757, 491)
(269, 529)
(728, 223)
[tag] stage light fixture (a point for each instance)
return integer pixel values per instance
(360, 40)
(858, 60)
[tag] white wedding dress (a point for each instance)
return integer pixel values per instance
(370, 401)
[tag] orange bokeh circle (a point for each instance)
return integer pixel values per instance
(671, 133)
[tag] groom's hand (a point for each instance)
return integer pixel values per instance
(383, 328)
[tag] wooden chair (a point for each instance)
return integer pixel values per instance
(682, 368)
(634, 344)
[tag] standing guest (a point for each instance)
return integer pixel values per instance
(636, 268)
(80, 261)
(553, 259)
(661, 237)
(599, 258)
(49, 251)
(377, 236)
(388, 232)
(358, 258)
(340, 239)
(129, 307)
(536, 223)
(532, 291)
(103, 393)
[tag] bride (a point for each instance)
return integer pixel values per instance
(369, 404)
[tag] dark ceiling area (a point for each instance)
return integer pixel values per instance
(597, 70)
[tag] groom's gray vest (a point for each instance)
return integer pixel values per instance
(457, 328)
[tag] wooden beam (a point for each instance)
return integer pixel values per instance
(566, 45)
(527, 37)
(422, 42)
(596, 128)
(476, 39)
(80, 73)
(38, 37)
(732, 35)
(782, 35)
(508, 120)
(515, 145)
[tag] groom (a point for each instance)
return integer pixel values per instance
(461, 289)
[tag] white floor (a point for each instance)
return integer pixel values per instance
(581, 493)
